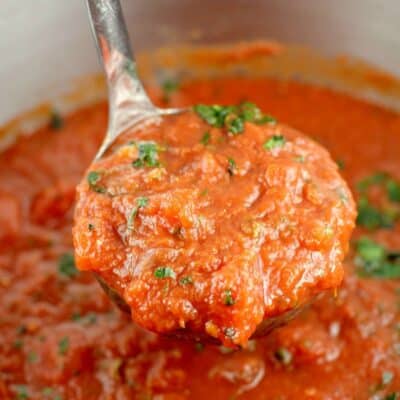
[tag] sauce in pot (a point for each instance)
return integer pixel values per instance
(61, 338)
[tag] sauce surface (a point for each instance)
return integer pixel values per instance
(209, 230)
(61, 338)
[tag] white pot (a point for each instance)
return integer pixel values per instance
(44, 44)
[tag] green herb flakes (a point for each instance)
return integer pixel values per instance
(392, 396)
(93, 179)
(283, 355)
(148, 155)
(231, 166)
(63, 346)
(56, 121)
(164, 272)
(393, 190)
(66, 266)
(205, 139)
(274, 142)
(228, 298)
(21, 392)
(232, 118)
(168, 87)
(374, 260)
(186, 280)
(141, 202)
(32, 357)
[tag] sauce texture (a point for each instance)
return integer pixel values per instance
(61, 338)
(208, 229)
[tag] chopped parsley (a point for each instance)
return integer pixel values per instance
(228, 298)
(93, 179)
(232, 118)
(66, 265)
(168, 87)
(283, 355)
(274, 142)
(148, 155)
(32, 357)
(140, 203)
(21, 392)
(340, 164)
(164, 272)
(205, 139)
(63, 346)
(186, 280)
(47, 391)
(374, 260)
(18, 344)
(393, 190)
(231, 166)
(56, 121)
(371, 216)
(392, 396)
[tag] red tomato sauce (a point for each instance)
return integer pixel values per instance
(210, 230)
(61, 338)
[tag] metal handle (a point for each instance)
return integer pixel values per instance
(128, 101)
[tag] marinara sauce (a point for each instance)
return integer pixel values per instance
(61, 338)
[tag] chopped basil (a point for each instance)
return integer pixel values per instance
(283, 355)
(274, 142)
(232, 118)
(18, 344)
(140, 203)
(32, 357)
(231, 166)
(186, 280)
(374, 260)
(148, 155)
(63, 346)
(393, 190)
(205, 139)
(164, 272)
(199, 346)
(340, 164)
(168, 87)
(66, 265)
(228, 298)
(56, 121)
(371, 216)
(93, 179)
(21, 392)
(387, 377)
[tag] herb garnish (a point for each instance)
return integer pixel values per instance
(168, 87)
(32, 357)
(56, 121)
(232, 118)
(228, 299)
(392, 396)
(93, 179)
(205, 139)
(148, 155)
(283, 355)
(164, 272)
(231, 166)
(140, 203)
(66, 265)
(374, 260)
(22, 392)
(186, 280)
(371, 216)
(63, 346)
(274, 142)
